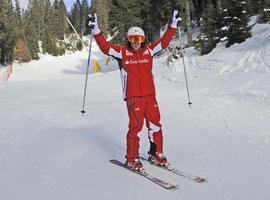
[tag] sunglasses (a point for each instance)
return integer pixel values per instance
(136, 38)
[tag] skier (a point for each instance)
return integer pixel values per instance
(135, 63)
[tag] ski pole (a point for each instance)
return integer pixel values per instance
(87, 72)
(185, 71)
(88, 64)
(75, 31)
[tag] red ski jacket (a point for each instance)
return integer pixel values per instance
(136, 66)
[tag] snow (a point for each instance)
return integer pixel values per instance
(48, 150)
(225, 28)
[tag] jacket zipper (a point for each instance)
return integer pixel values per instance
(139, 73)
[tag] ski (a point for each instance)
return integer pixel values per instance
(146, 175)
(184, 174)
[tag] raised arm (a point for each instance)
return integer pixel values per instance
(165, 40)
(106, 47)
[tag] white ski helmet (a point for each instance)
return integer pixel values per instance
(135, 31)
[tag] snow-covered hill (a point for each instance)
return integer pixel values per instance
(49, 151)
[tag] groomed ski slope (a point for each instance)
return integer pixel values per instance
(49, 151)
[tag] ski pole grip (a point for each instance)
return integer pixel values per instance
(90, 19)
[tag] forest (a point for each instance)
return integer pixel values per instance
(43, 26)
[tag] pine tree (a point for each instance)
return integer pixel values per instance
(115, 18)
(84, 13)
(147, 25)
(47, 12)
(31, 35)
(237, 22)
(59, 22)
(36, 9)
(188, 22)
(254, 6)
(160, 14)
(221, 22)
(18, 14)
(48, 42)
(63, 19)
(219, 5)
(264, 11)
(101, 7)
(47, 39)
(18, 22)
(75, 17)
(151, 15)
(7, 34)
(199, 6)
(157, 18)
(22, 53)
(208, 38)
(123, 15)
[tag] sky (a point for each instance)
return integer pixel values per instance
(68, 3)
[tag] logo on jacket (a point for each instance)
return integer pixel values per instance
(146, 52)
(129, 53)
(137, 61)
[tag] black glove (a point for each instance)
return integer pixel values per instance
(93, 24)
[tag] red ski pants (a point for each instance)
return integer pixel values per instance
(140, 108)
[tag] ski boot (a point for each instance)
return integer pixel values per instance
(158, 159)
(135, 165)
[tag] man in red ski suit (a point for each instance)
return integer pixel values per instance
(135, 62)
